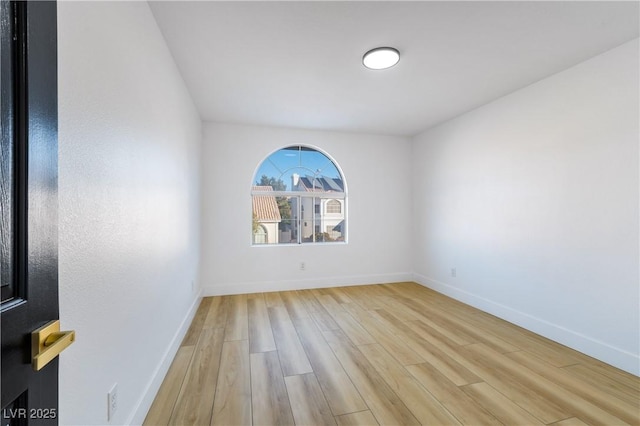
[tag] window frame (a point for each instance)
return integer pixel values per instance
(297, 214)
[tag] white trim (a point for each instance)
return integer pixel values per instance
(617, 357)
(142, 406)
(302, 284)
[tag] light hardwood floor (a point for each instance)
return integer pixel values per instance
(380, 354)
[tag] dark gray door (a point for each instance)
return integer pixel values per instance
(29, 222)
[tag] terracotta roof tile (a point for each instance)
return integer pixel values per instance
(265, 207)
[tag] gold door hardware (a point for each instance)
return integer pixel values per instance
(47, 342)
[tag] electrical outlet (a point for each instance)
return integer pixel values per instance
(303, 266)
(112, 402)
(453, 272)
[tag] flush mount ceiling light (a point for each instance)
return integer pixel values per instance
(381, 58)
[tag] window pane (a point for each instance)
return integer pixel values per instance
(299, 169)
(271, 217)
(7, 153)
(319, 163)
(287, 232)
(332, 219)
(322, 227)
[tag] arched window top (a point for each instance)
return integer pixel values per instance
(260, 235)
(300, 168)
(334, 206)
(289, 191)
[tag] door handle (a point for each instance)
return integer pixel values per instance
(47, 342)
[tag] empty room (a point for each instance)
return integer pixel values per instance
(329, 212)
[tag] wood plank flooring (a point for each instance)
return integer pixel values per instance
(396, 354)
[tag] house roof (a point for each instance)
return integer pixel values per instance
(265, 207)
(322, 184)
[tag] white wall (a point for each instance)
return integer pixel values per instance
(534, 199)
(129, 146)
(378, 184)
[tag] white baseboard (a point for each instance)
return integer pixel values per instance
(267, 286)
(595, 348)
(144, 403)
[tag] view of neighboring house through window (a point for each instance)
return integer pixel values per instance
(298, 197)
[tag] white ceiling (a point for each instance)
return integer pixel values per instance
(299, 64)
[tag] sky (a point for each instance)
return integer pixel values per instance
(305, 162)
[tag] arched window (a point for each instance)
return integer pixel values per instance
(299, 194)
(334, 206)
(260, 235)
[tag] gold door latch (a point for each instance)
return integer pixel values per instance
(47, 342)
